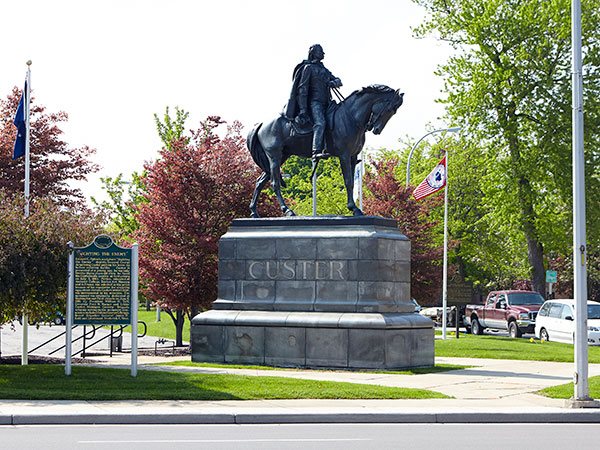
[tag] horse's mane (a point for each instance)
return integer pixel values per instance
(373, 89)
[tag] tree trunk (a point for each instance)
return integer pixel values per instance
(179, 329)
(535, 251)
(536, 260)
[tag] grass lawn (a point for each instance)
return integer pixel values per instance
(416, 371)
(48, 382)
(165, 328)
(494, 347)
(567, 390)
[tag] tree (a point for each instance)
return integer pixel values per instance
(388, 197)
(121, 208)
(171, 130)
(34, 254)
(193, 192)
(331, 191)
(509, 86)
(53, 163)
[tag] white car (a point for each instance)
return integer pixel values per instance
(556, 321)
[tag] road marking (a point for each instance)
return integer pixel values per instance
(185, 441)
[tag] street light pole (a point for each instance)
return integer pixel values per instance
(581, 397)
(450, 130)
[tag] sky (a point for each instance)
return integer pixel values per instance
(111, 65)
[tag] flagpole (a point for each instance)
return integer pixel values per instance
(25, 346)
(445, 275)
(27, 125)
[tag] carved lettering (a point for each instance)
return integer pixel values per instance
(251, 271)
(291, 268)
(338, 269)
(318, 271)
(269, 274)
(304, 264)
(286, 270)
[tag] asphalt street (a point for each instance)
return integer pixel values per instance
(304, 436)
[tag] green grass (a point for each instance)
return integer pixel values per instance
(416, 371)
(494, 347)
(165, 328)
(48, 382)
(567, 390)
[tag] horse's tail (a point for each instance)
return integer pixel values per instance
(257, 151)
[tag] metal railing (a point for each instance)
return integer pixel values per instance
(88, 335)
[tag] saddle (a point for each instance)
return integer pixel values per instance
(302, 127)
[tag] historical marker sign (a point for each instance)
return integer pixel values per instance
(102, 289)
(102, 284)
(460, 292)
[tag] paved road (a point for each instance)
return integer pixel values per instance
(304, 436)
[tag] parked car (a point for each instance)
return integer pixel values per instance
(436, 314)
(514, 311)
(57, 319)
(556, 321)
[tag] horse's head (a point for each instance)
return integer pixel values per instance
(382, 110)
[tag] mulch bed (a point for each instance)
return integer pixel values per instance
(36, 359)
(166, 352)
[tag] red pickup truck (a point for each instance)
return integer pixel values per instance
(514, 311)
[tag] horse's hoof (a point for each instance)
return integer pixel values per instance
(254, 215)
(357, 212)
(290, 213)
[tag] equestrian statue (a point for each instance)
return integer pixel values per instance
(314, 126)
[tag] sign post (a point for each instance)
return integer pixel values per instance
(102, 290)
(550, 279)
(460, 293)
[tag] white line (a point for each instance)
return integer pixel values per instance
(185, 441)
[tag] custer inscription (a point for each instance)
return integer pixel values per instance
(296, 270)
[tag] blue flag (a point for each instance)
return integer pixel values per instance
(21, 124)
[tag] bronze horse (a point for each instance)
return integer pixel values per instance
(368, 109)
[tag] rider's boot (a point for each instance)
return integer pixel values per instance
(317, 154)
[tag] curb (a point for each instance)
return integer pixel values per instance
(570, 416)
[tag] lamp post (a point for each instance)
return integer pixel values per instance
(450, 130)
(581, 397)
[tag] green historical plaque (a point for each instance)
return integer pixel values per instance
(102, 284)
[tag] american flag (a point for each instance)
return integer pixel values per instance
(435, 181)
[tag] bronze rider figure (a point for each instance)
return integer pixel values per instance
(311, 95)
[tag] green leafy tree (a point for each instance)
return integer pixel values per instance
(34, 254)
(331, 191)
(508, 85)
(172, 129)
(125, 196)
(120, 208)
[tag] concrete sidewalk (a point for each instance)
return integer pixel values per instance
(492, 391)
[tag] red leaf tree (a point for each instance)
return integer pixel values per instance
(194, 191)
(389, 198)
(53, 163)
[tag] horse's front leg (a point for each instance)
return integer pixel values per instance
(275, 165)
(348, 174)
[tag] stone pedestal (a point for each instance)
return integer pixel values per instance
(314, 292)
